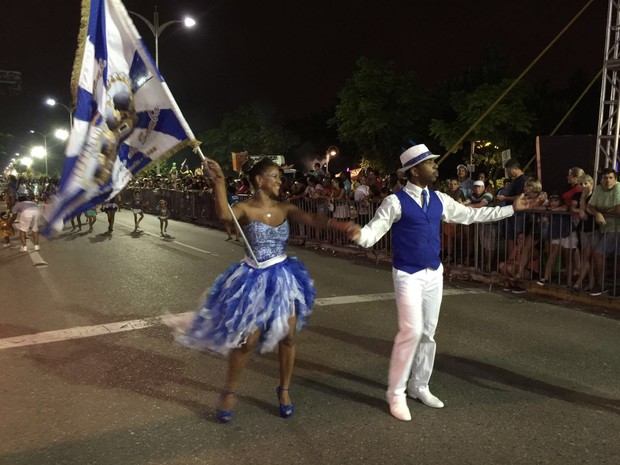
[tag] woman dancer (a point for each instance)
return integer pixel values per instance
(257, 303)
(163, 213)
(110, 208)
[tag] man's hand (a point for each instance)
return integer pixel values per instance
(520, 204)
(347, 227)
(600, 219)
(354, 232)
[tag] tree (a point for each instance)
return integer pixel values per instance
(507, 119)
(380, 110)
(247, 129)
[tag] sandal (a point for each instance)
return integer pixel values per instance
(286, 411)
(224, 416)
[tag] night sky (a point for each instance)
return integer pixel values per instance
(292, 56)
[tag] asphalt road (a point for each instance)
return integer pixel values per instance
(90, 375)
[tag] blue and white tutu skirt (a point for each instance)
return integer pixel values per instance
(244, 299)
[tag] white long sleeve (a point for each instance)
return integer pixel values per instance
(453, 212)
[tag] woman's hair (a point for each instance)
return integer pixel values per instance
(577, 172)
(586, 178)
(251, 169)
(535, 185)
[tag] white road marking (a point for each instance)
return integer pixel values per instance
(36, 258)
(170, 320)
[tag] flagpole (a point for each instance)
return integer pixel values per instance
(126, 20)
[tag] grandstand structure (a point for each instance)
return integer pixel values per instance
(606, 154)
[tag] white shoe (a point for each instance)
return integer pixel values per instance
(36, 247)
(425, 396)
(23, 249)
(399, 409)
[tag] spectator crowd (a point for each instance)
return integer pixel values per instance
(568, 238)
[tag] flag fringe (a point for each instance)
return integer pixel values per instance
(171, 151)
(79, 52)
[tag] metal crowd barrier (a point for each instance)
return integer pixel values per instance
(484, 248)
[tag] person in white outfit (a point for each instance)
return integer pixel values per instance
(414, 215)
(29, 214)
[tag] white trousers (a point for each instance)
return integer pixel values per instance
(418, 298)
(29, 218)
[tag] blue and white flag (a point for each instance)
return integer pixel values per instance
(124, 119)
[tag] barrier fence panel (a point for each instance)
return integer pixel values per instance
(549, 247)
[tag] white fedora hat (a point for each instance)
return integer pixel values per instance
(415, 155)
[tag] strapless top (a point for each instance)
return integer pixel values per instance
(266, 241)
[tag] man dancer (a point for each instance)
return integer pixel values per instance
(414, 214)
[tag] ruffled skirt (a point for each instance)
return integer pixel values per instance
(245, 299)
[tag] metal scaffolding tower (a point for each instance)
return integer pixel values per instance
(606, 154)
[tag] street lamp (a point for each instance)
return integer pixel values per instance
(26, 161)
(157, 29)
(40, 153)
(61, 134)
(331, 151)
(52, 103)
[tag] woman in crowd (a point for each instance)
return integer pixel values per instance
(559, 231)
(573, 178)
(589, 234)
(449, 229)
(263, 300)
(340, 200)
(536, 200)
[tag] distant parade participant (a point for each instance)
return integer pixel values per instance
(414, 214)
(110, 208)
(136, 209)
(29, 214)
(262, 301)
(77, 218)
(91, 217)
(5, 229)
(163, 213)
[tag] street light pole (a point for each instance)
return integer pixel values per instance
(157, 29)
(331, 151)
(52, 103)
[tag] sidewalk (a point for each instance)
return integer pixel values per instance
(533, 290)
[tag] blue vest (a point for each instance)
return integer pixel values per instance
(416, 236)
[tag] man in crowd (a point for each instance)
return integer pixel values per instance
(515, 225)
(361, 195)
(479, 196)
(605, 201)
(466, 183)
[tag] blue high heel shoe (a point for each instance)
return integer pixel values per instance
(224, 416)
(286, 411)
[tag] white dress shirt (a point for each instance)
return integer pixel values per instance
(390, 211)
